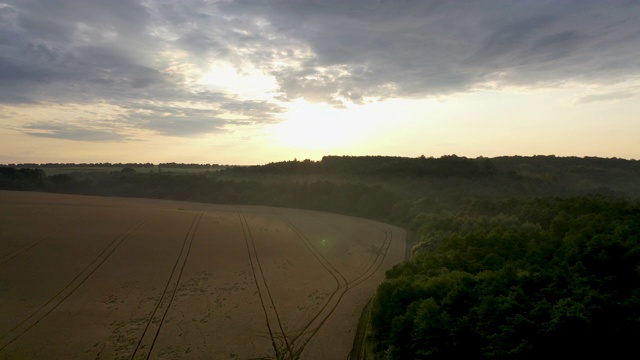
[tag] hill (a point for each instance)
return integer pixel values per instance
(386, 188)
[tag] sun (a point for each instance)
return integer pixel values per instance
(314, 126)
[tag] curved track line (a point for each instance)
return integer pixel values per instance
(348, 287)
(249, 239)
(304, 333)
(379, 258)
(146, 334)
(372, 251)
(360, 242)
(72, 286)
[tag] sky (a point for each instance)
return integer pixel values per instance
(257, 81)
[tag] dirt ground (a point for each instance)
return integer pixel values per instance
(113, 278)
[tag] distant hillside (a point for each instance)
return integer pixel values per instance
(504, 176)
(445, 166)
(386, 188)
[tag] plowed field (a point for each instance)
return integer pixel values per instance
(113, 278)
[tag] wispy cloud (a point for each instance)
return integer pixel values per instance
(610, 96)
(73, 132)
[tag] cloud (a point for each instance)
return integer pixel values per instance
(611, 96)
(72, 132)
(177, 118)
(380, 49)
(254, 111)
(148, 58)
(174, 119)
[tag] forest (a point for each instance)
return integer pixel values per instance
(392, 189)
(516, 279)
(509, 257)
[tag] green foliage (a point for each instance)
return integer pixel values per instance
(128, 170)
(518, 283)
(12, 178)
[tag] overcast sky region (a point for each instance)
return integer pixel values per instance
(256, 81)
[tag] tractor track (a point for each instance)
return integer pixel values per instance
(307, 332)
(44, 310)
(356, 352)
(18, 252)
(149, 336)
(379, 259)
(254, 260)
(371, 250)
(350, 253)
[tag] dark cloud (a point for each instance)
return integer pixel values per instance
(422, 48)
(173, 120)
(200, 44)
(131, 54)
(85, 50)
(502, 46)
(12, 71)
(66, 21)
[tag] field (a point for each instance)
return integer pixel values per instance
(117, 278)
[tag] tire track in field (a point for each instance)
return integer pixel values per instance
(27, 247)
(44, 310)
(260, 280)
(359, 339)
(149, 336)
(380, 257)
(381, 254)
(371, 250)
(306, 333)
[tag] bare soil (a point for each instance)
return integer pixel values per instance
(116, 278)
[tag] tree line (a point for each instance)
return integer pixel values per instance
(393, 189)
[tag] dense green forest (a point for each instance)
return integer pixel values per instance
(516, 279)
(512, 257)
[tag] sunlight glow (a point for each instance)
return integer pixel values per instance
(319, 126)
(249, 81)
